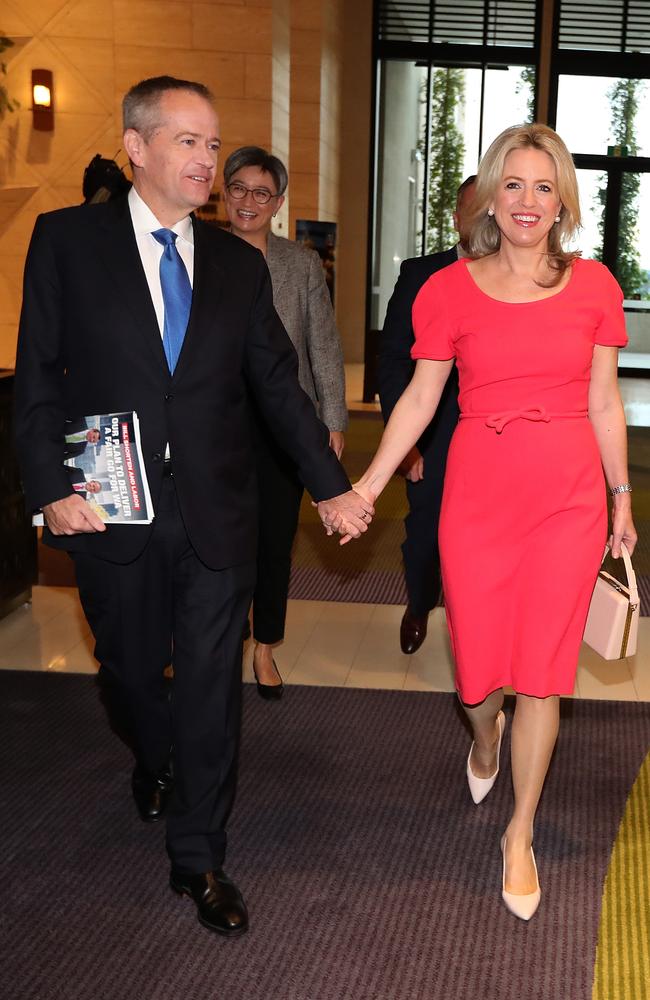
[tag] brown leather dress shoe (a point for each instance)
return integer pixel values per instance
(413, 631)
(219, 902)
(151, 793)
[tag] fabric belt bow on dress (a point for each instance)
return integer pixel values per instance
(535, 413)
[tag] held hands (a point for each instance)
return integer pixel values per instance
(412, 466)
(71, 516)
(348, 514)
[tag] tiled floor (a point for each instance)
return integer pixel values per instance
(347, 645)
(344, 645)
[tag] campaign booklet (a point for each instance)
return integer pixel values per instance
(103, 457)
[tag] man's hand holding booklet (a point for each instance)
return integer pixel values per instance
(103, 456)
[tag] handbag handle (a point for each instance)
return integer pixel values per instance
(629, 572)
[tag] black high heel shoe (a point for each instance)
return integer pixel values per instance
(270, 692)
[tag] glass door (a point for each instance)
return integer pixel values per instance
(615, 205)
(433, 124)
(633, 266)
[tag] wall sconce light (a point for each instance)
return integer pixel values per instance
(43, 100)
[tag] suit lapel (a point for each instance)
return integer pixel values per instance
(276, 263)
(206, 288)
(122, 260)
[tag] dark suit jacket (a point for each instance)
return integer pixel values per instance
(89, 343)
(77, 476)
(72, 449)
(78, 424)
(395, 366)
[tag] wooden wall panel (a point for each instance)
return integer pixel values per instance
(236, 29)
(223, 73)
(270, 64)
(154, 23)
(97, 49)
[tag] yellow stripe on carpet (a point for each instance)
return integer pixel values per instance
(623, 953)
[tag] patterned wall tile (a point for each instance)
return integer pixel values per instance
(83, 20)
(152, 23)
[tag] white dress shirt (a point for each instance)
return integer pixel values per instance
(144, 224)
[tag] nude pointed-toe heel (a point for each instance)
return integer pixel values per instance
(479, 787)
(520, 906)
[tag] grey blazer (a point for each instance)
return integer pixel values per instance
(302, 301)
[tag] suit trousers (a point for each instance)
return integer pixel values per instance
(420, 548)
(279, 506)
(168, 607)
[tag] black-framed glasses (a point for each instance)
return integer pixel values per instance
(239, 191)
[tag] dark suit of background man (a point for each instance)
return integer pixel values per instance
(424, 466)
(77, 439)
(96, 328)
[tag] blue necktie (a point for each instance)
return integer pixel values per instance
(177, 295)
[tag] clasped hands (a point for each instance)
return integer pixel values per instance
(348, 514)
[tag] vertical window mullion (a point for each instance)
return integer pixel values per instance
(427, 160)
(626, 14)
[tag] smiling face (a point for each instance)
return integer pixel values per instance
(248, 218)
(174, 170)
(526, 202)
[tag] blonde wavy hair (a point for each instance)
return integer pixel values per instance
(484, 234)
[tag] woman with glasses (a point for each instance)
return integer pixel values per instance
(254, 186)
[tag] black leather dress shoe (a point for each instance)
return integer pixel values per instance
(219, 902)
(151, 793)
(413, 631)
(270, 692)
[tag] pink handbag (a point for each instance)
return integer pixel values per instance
(613, 619)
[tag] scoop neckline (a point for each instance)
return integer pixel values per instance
(529, 302)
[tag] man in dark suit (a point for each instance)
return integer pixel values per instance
(77, 439)
(424, 466)
(81, 485)
(135, 305)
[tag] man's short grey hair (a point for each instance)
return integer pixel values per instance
(466, 183)
(255, 156)
(141, 105)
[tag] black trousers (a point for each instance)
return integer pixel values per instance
(168, 607)
(279, 504)
(420, 548)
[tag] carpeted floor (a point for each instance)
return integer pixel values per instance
(623, 953)
(369, 873)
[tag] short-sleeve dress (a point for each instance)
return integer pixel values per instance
(524, 514)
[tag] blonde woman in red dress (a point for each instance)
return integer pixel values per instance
(535, 332)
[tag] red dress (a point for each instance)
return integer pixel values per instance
(524, 519)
